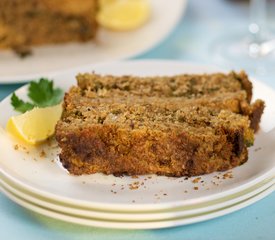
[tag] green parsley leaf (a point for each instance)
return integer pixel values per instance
(42, 94)
(19, 105)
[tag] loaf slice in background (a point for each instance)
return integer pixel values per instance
(38, 22)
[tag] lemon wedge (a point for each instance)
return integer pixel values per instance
(104, 3)
(123, 15)
(36, 125)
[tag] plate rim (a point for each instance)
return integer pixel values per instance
(128, 207)
(139, 216)
(140, 225)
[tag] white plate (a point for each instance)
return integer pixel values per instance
(137, 225)
(47, 179)
(108, 46)
(128, 216)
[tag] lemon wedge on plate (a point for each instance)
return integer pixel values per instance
(104, 3)
(123, 15)
(36, 125)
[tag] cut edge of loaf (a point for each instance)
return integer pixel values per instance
(118, 149)
(92, 82)
(168, 84)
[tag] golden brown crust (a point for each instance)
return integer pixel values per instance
(246, 84)
(256, 114)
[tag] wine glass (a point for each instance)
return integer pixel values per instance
(254, 50)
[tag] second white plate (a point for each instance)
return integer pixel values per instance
(136, 225)
(136, 217)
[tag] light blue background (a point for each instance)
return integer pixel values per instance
(203, 22)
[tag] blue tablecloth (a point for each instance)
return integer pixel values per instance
(203, 22)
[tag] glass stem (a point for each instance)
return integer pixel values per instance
(257, 20)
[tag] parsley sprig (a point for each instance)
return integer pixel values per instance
(41, 94)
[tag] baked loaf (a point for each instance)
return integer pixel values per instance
(174, 126)
(36, 22)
